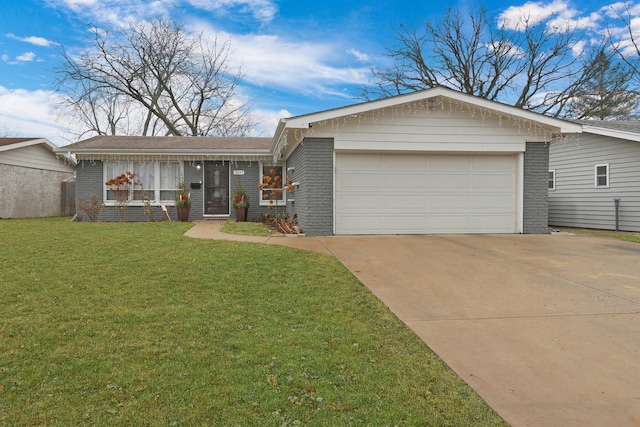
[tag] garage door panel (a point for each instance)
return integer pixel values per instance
(449, 223)
(405, 223)
(493, 163)
(408, 201)
(449, 163)
(355, 201)
(449, 181)
(418, 194)
(450, 202)
(358, 162)
(494, 182)
(493, 202)
(362, 180)
(400, 180)
(494, 223)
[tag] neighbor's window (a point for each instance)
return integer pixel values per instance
(552, 180)
(602, 175)
(153, 180)
(271, 179)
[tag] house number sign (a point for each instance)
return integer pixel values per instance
(238, 172)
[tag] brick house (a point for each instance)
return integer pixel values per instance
(434, 161)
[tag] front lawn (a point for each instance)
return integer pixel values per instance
(135, 324)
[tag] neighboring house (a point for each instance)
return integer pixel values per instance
(31, 178)
(435, 161)
(589, 172)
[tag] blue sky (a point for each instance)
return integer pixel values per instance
(297, 56)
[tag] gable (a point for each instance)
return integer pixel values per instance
(33, 154)
(433, 120)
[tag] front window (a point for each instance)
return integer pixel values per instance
(151, 181)
(602, 176)
(271, 190)
(552, 180)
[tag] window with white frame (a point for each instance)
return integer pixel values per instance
(156, 181)
(271, 190)
(601, 173)
(552, 180)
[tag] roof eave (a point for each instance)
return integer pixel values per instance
(613, 133)
(165, 152)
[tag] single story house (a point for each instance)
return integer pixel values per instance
(589, 173)
(32, 176)
(434, 161)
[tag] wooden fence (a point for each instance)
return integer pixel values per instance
(68, 202)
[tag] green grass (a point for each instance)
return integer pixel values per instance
(628, 236)
(135, 324)
(246, 228)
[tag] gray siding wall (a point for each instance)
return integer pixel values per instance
(313, 163)
(576, 202)
(536, 174)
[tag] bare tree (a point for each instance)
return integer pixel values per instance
(624, 37)
(154, 79)
(5, 132)
(526, 64)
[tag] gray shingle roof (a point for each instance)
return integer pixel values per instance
(171, 143)
(621, 125)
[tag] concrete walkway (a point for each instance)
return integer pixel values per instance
(546, 328)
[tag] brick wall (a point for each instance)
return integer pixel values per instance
(250, 181)
(536, 175)
(313, 163)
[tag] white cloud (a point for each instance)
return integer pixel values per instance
(558, 13)
(26, 57)
(118, 12)
(362, 57)
(27, 113)
(263, 10)
(269, 60)
(268, 120)
(38, 41)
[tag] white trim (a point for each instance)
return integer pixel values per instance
(156, 190)
(335, 175)
(613, 133)
(595, 175)
(552, 180)
(268, 202)
(520, 193)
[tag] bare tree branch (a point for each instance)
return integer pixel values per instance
(158, 77)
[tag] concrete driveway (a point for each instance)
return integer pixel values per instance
(546, 328)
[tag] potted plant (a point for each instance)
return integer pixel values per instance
(183, 202)
(240, 203)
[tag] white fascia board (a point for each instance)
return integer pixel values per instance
(613, 133)
(562, 125)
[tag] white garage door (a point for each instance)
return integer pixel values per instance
(423, 194)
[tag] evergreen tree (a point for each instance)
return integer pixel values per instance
(604, 93)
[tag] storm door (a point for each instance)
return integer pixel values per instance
(216, 188)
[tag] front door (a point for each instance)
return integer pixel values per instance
(216, 188)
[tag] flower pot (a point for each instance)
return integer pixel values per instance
(183, 214)
(241, 214)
